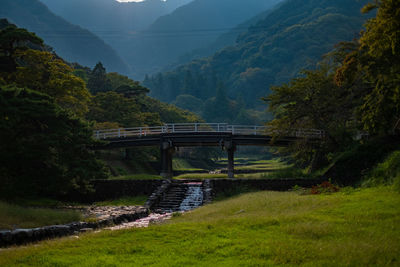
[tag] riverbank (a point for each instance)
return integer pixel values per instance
(351, 227)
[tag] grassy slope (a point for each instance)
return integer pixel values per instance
(354, 228)
(14, 216)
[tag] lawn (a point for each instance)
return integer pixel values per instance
(15, 216)
(352, 227)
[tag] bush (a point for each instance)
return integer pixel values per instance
(386, 173)
(351, 166)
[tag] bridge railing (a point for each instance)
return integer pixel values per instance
(203, 128)
(197, 127)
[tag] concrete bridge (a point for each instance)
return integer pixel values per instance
(228, 137)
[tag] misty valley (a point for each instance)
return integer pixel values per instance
(199, 132)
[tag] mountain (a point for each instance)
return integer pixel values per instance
(227, 39)
(109, 18)
(292, 37)
(71, 42)
(189, 27)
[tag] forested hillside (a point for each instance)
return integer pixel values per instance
(227, 39)
(49, 109)
(353, 96)
(291, 38)
(191, 26)
(71, 42)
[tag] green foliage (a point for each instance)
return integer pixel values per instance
(194, 25)
(14, 216)
(71, 42)
(98, 81)
(288, 173)
(290, 38)
(314, 101)
(11, 39)
(386, 172)
(381, 43)
(114, 107)
(123, 85)
(373, 64)
(189, 102)
(262, 229)
(45, 150)
(47, 73)
(350, 167)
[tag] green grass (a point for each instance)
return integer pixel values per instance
(386, 172)
(352, 228)
(14, 216)
(136, 177)
(180, 164)
(201, 176)
(124, 201)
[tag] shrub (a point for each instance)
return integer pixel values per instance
(386, 173)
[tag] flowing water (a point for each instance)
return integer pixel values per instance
(194, 197)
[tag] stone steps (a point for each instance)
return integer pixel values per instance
(179, 196)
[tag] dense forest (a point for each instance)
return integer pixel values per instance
(189, 27)
(292, 37)
(71, 42)
(49, 109)
(353, 95)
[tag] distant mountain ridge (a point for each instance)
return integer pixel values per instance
(292, 37)
(69, 41)
(192, 26)
(106, 17)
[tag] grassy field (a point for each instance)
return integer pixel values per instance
(201, 176)
(352, 228)
(268, 169)
(14, 216)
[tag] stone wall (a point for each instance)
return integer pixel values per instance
(25, 236)
(230, 185)
(113, 189)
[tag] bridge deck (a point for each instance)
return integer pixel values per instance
(169, 136)
(202, 134)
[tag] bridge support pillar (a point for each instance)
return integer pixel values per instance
(230, 148)
(167, 152)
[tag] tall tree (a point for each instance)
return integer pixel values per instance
(98, 81)
(44, 150)
(12, 39)
(47, 73)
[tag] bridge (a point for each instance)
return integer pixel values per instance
(170, 136)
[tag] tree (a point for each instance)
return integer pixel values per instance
(44, 150)
(376, 61)
(12, 39)
(114, 107)
(189, 102)
(314, 101)
(98, 81)
(46, 73)
(220, 108)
